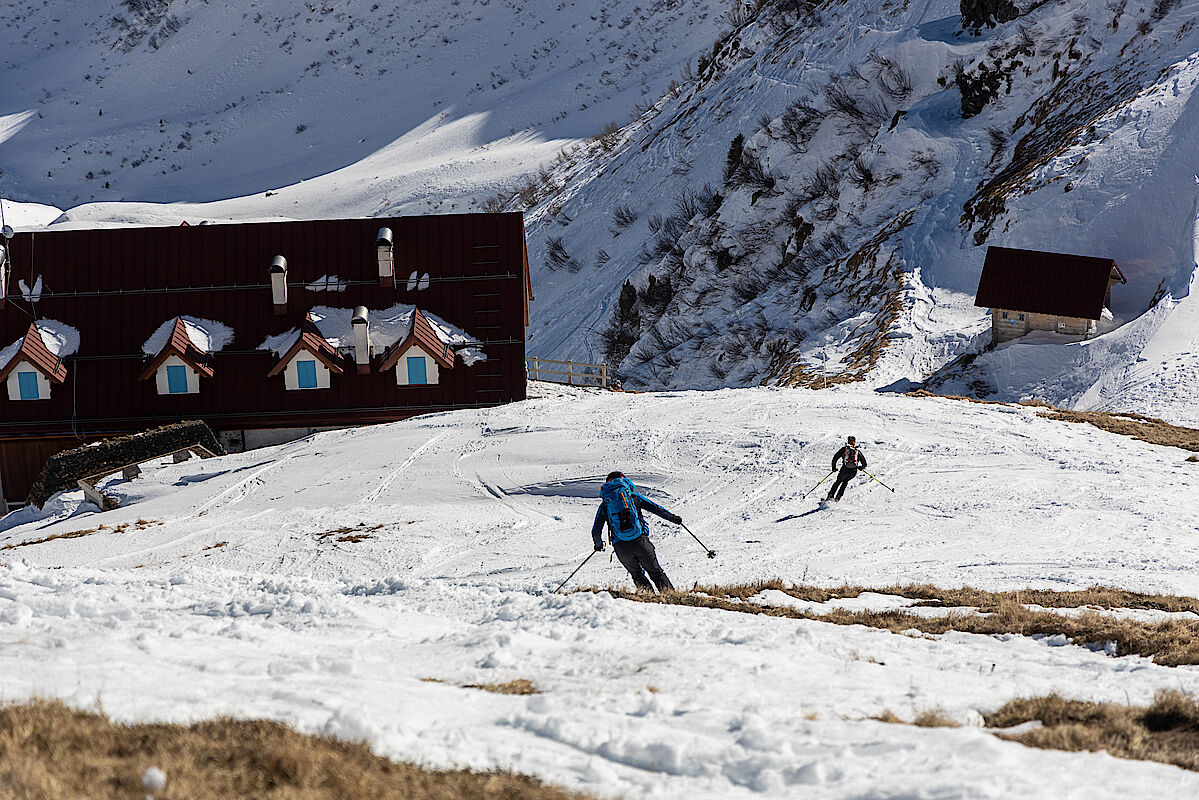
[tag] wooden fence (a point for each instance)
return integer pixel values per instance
(573, 373)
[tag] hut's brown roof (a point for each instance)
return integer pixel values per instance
(310, 339)
(116, 285)
(1045, 283)
(179, 344)
(420, 333)
(34, 350)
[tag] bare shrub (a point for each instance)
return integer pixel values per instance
(739, 12)
(750, 173)
(602, 258)
(861, 112)
(557, 257)
(748, 288)
(822, 182)
(861, 172)
(608, 136)
(798, 124)
(997, 138)
(493, 204)
(657, 293)
(691, 202)
(622, 217)
(894, 80)
(1161, 8)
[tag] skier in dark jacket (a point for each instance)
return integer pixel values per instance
(852, 460)
(620, 510)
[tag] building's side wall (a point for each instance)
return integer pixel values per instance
(1004, 330)
(21, 461)
(1072, 326)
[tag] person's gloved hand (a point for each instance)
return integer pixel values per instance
(677, 520)
(599, 547)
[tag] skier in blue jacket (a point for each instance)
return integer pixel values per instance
(620, 509)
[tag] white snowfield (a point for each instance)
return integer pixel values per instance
(243, 591)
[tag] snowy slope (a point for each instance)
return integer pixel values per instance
(389, 107)
(319, 582)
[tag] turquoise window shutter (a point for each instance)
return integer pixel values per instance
(306, 371)
(416, 370)
(28, 385)
(177, 379)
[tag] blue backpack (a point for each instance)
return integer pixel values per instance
(620, 506)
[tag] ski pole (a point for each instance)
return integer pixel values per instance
(880, 483)
(571, 575)
(711, 553)
(822, 480)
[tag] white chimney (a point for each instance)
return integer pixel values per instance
(384, 245)
(279, 284)
(362, 341)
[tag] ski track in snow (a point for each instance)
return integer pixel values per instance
(385, 484)
(316, 592)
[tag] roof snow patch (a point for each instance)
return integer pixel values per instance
(207, 335)
(388, 326)
(327, 283)
(59, 338)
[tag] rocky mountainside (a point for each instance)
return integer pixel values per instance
(814, 207)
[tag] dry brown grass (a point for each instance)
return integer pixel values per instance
(929, 595)
(1172, 643)
(1166, 731)
(1146, 429)
(518, 686)
(51, 752)
(124, 527)
(1136, 426)
(352, 535)
(932, 718)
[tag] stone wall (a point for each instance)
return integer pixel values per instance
(64, 469)
(1004, 330)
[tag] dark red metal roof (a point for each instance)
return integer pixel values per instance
(420, 333)
(310, 339)
(180, 344)
(1045, 283)
(117, 286)
(34, 350)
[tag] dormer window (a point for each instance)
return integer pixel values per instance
(26, 383)
(179, 354)
(309, 362)
(419, 358)
(28, 367)
(176, 377)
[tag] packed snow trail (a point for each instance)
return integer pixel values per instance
(302, 601)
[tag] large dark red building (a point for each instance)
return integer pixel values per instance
(266, 331)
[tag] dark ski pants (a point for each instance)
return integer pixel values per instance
(638, 557)
(843, 479)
